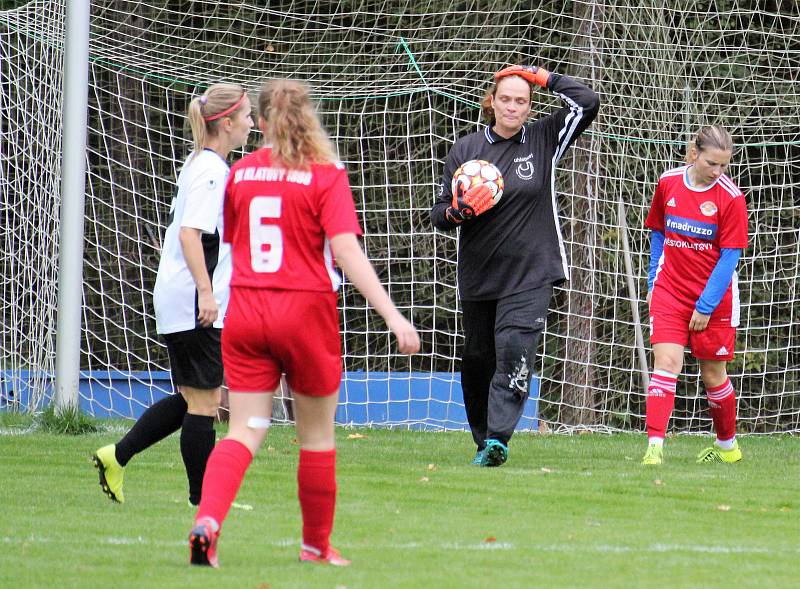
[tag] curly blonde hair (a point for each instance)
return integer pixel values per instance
(292, 126)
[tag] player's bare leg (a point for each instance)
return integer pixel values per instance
(250, 416)
(201, 401)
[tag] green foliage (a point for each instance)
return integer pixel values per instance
(11, 4)
(565, 511)
(397, 83)
(70, 421)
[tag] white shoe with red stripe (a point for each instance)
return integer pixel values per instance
(331, 556)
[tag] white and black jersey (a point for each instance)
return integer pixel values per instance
(197, 204)
(517, 245)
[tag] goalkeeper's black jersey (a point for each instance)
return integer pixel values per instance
(517, 244)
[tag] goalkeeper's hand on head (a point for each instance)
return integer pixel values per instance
(468, 205)
(531, 73)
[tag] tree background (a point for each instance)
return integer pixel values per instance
(397, 83)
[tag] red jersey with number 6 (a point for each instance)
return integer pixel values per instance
(696, 224)
(279, 222)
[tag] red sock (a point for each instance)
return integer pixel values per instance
(660, 402)
(224, 473)
(316, 489)
(722, 402)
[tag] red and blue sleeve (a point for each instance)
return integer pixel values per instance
(719, 281)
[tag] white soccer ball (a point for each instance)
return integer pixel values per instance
(475, 172)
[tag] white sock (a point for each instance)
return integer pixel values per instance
(727, 444)
(653, 441)
(211, 522)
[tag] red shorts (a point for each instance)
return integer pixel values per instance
(270, 332)
(669, 324)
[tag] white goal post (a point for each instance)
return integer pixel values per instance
(395, 88)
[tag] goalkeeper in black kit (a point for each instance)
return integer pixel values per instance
(510, 254)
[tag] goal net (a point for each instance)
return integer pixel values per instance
(397, 83)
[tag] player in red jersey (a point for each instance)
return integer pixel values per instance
(698, 220)
(288, 214)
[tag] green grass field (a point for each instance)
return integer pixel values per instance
(576, 511)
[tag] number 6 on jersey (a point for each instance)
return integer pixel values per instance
(266, 240)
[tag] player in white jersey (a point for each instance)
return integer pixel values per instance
(196, 215)
(190, 296)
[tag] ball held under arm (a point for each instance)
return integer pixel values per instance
(467, 205)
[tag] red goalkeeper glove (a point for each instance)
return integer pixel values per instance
(468, 205)
(531, 73)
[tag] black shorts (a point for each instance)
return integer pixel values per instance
(195, 357)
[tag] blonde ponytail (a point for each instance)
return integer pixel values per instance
(714, 137)
(205, 111)
(691, 153)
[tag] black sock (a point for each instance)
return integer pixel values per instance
(160, 420)
(197, 442)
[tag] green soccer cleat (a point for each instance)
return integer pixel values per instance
(111, 473)
(480, 458)
(654, 455)
(496, 453)
(717, 454)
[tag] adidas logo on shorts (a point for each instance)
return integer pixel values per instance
(723, 351)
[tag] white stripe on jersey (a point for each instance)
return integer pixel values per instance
(673, 172)
(729, 186)
(564, 136)
(570, 124)
(336, 280)
(658, 267)
(736, 307)
(557, 221)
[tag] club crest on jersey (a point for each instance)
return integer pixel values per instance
(708, 208)
(525, 170)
